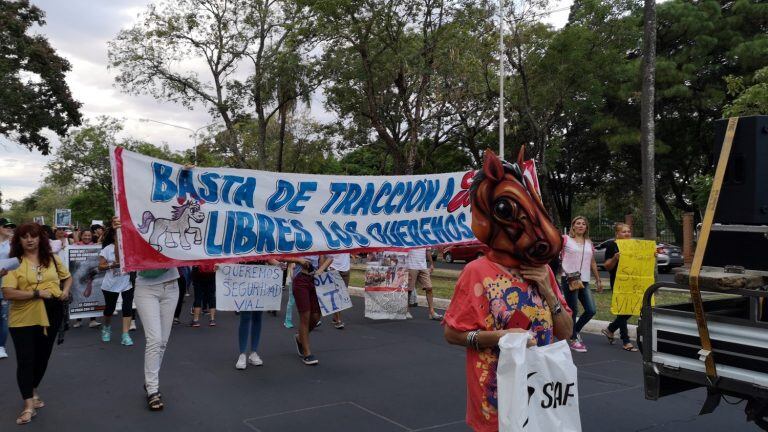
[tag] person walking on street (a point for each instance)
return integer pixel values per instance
(577, 267)
(115, 284)
(156, 295)
(6, 234)
(36, 290)
(306, 302)
(418, 272)
(612, 255)
(204, 284)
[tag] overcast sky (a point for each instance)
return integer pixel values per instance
(79, 30)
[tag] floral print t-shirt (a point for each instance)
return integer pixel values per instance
(485, 298)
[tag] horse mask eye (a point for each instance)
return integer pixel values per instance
(505, 209)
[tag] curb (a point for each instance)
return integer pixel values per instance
(592, 327)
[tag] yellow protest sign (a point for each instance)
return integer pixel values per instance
(635, 274)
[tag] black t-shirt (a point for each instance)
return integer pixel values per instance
(612, 249)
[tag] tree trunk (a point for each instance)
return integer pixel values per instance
(647, 128)
(281, 145)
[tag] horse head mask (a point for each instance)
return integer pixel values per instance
(508, 215)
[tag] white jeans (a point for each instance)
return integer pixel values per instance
(156, 304)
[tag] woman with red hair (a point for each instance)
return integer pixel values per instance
(36, 290)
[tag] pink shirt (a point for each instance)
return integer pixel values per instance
(573, 260)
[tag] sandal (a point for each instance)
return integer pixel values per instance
(37, 402)
(606, 333)
(21, 420)
(155, 401)
(629, 347)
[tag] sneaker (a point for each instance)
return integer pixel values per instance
(255, 360)
(319, 323)
(133, 325)
(194, 323)
(241, 364)
(408, 315)
(93, 324)
(578, 346)
(126, 340)
(176, 321)
(299, 346)
(338, 324)
(106, 333)
(436, 316)
(77, 324)
(3, 354)
(310, 360)
(288, 324)
(212, 323)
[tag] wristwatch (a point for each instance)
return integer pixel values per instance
(557, 308)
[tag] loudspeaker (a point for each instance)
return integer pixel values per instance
(744, 195)
(745, 249)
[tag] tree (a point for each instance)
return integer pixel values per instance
(647, 120)
(34, 94)
(750, 99)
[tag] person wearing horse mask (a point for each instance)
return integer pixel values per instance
(511, 289)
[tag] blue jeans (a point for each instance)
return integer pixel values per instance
(573, 298)
(3, 322)
(249, 322)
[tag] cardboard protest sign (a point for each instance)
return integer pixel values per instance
(386, 291)
(63, 217)
(87, 299)
(332, 293)
(243, 287)
(636, 272)
(39, 220)
(172, 216)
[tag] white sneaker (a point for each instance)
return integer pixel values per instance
(77, 324)
(240, 362)
(3, 354)
(94, 324)
(254, 359)
(133, 325)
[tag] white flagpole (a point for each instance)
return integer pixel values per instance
(501, 79)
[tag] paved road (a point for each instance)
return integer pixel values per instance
(374, 376)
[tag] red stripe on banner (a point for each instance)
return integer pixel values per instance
(383, 289)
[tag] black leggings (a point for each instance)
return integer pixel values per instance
(33, 349)
(620, 323)
(205, 292)
(182, 291)
(111, 302)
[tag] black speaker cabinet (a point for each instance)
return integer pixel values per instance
(745, 249)
(744, 195)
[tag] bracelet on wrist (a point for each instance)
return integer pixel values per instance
(35, 294)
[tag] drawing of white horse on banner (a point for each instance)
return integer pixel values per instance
(181, 224)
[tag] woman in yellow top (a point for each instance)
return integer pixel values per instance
(36, 290)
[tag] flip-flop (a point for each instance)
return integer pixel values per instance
(630, 348)
(607, 334)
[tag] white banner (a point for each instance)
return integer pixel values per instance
(87, 300)
(386, 291)
(242, 287)
(332, 294)
(173, 216)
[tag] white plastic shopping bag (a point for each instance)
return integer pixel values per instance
(537, 387)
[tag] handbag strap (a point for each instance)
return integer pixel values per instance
(583, 245)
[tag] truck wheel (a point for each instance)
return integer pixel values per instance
(448, 258)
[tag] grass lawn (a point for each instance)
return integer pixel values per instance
(444, 281)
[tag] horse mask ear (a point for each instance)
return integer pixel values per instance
(180, 200)
(492, 167)
(521, 156)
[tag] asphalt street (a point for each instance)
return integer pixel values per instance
(373, 376)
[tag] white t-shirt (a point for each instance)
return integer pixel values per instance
(417, 259)
(114, 280)
(572, 258)
(340, 262)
